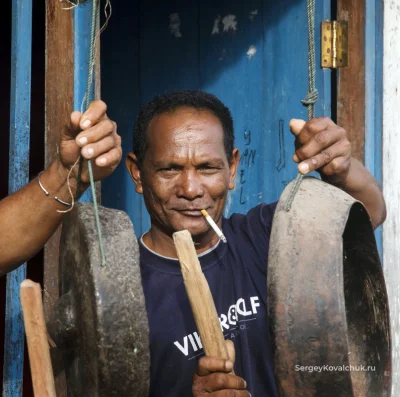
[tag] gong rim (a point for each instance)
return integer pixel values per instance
(309, 323)
(107, 353)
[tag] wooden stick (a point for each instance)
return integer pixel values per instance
(36, 335)
(200, 298)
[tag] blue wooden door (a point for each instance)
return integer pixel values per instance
(20, 105)
(252, 55)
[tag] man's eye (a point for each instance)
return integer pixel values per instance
(167, 169)
(208, 168)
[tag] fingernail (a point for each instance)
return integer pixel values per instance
(83, 141)
(293, 121)
(304, 168)
(229, 365)
(295, 158)
(86, 123)
(102, 160)
(90, 152)
(245, 384)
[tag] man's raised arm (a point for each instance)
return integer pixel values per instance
(323, 146)
(30, 216)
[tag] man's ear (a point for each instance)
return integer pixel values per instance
(233, 166)
(131, 163)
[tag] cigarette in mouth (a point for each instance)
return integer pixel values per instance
(214, 226)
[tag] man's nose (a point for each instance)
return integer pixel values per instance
(190, 186)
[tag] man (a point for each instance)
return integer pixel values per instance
(29, 217)
(184, 161)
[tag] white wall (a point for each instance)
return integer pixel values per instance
(391, 174)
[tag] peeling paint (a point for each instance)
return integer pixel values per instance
(253, 14)
(215, 29)
(251, 52)
(229, 22)
(175, 25)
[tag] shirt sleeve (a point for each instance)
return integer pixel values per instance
(254, 230)
(259, 224)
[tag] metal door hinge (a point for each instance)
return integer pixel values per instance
(334, 44)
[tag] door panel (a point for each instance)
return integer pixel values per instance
(253, 56)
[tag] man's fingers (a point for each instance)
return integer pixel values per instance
(213, 377)
(96, 133)
(207, 365)
(311, 128)
(109, 159)
(231, 350)
(335, 154)
(93, 136)
(221, 381)
(322, 140)
(218, 384)
(296, 126)
(339, 166)
(72, 129)
(78, 122)
(230, 393)
(98, 148)
(93, 114)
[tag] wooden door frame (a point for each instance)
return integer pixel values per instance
(351, 101)
(59, 92)
(65, 86)
(359, 85)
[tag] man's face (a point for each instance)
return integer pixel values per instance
(185, 170)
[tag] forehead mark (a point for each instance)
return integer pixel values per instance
(191, 133)
(189, 138)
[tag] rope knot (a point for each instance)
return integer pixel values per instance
(312, 95)
(311, 98)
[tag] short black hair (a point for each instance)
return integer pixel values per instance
(171, 101)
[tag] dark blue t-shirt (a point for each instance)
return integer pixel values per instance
(236, 273)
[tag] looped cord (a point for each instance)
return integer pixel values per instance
(312, 95)
(311, 98)
(86, 102)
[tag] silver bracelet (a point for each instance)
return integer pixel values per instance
(48, 194)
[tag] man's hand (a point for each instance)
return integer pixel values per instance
(93, 135)
(214, 377)
(323, 146)
(29, 209)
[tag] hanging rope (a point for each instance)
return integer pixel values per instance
(86, 102)
(312, 95)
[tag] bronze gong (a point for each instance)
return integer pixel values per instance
(328, 304)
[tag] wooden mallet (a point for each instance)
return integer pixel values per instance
(200, 298)
(36, 335)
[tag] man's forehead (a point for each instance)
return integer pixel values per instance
(190, 143)
(185, 126)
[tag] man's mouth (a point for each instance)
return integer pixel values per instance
(191, 212)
